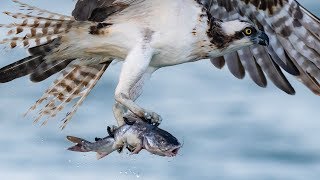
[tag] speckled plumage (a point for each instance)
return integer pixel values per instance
(150, 34)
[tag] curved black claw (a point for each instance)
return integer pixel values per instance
(120, 149)
(149, 121)
(156, 124)
(130, 148)
(110, 131)
(128, 122)
(97, 139)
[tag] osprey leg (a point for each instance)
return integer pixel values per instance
(134, 71)
(118, 111)
(121, 111)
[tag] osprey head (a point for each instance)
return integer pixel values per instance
(235, 34)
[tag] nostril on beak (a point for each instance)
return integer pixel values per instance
(264, 43)
(263, 39)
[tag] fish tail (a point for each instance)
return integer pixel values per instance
(103, 147)
(81, 144)
(108, 147)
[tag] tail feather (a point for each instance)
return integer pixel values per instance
(76, 82)
(33, 64)
(20, 68)
(45, 48)
(33, 23)
(28, 16)
(34, 38)
(38, 11)
(93, 76)
(36, 30)
(47, 69)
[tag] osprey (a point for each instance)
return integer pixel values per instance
(262, 37)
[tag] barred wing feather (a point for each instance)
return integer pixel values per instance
(294, 42)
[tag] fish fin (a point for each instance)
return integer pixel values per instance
(75, 139)
(78, 148)
(81, 145)
(111, 130)
(137, 149)
(97, 139)
(101, 155)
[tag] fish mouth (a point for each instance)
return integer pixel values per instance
(173, 152)
(170, 151)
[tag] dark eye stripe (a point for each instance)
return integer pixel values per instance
(239, 35)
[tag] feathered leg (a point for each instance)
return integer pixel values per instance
(120, 110)
(134, 71)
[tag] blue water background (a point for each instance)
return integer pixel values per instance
(231, 129)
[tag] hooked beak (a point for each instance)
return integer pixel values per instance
(262, 39)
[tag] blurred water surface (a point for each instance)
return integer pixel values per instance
(231, 129)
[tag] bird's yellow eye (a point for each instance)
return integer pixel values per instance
(248, 31)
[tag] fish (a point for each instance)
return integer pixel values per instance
(135, 135)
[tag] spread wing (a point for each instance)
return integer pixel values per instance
(294, 46)
(99, 10)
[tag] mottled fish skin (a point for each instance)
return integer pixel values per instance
(135, 136)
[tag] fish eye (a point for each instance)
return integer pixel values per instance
(248, 31)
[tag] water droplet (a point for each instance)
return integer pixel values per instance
(69, 161)
(138, 175)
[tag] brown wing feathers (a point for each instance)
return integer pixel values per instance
(294, 40)
(271, 69)
(84, 8)
(218, 62)
(251, 66)
(234, 65)
(97, 10)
